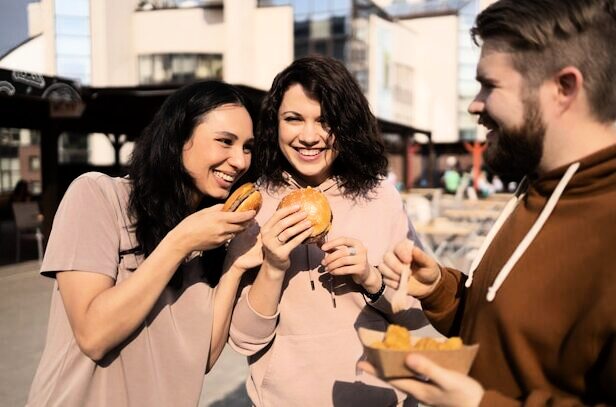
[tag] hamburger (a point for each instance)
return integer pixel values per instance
(315, 204)
(245, 198)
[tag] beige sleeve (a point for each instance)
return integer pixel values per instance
(85, 235)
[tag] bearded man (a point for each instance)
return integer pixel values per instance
(540, 298)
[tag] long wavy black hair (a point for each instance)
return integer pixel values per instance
(161, 186)
(361, 162)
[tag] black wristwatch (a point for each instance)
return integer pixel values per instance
(374, 297)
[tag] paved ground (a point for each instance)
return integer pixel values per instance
(24, 308)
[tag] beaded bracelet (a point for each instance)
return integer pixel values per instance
(373, 297)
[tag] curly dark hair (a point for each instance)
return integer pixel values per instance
(361, 162)
(161, 186)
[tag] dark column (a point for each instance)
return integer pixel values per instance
(49, 175)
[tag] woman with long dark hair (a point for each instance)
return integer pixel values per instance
(140, 310)
(296, 318)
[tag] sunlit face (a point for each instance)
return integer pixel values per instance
(219, 150)
(303, 136)
(512, 115)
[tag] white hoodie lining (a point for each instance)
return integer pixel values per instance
(530, 235)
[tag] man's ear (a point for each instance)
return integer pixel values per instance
(569, 84)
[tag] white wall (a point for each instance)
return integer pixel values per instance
(192, 30)
(391, 45)
(436, 80)
(113, 56)
(35, 19)
(273, 44)
(29, 57)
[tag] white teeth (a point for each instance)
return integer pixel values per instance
(309, 152)
(224, 176)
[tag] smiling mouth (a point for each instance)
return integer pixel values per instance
(224, 176)
(309, 152)
(488, 123)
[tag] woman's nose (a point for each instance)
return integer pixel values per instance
(239, 159)
(310, 134)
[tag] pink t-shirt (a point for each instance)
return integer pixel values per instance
(164, 361)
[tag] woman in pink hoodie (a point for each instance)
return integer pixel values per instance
(297, 315)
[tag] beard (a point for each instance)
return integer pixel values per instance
(515, 152)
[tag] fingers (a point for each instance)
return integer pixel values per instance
(294, 230)
(298, 239)
(404, 251)
(425, 367)
(423, 392)
(346, 256)
(421, 258)
(235, 217)
(279, 215)
(390, 278)
(393, 263)
(338, 242)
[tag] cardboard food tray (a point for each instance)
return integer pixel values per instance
(390, 363)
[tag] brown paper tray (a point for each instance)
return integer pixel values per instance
(390, 363)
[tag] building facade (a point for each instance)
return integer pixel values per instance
(413, 58)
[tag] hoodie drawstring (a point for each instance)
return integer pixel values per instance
(530, 235)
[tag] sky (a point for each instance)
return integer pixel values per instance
(13, 23)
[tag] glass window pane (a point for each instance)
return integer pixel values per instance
(70, 45)
(320, 47)
(73, 65)
(341, 5)
(72, 25)
(301, 29)
(320, 6)
(338, 25)
(301, 6)
(301, 49)
(339, 46)
(73, 7)
(14, 163)
(320, 29)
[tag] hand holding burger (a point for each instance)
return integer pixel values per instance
(317, 209)
(303, 216)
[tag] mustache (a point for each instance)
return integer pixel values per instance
(486, 121)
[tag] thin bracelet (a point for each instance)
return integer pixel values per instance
(374, 297)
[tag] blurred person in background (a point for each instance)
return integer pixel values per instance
(138, 316)
(451, 176)
(297, 316)
(21, 192)
(539, 298)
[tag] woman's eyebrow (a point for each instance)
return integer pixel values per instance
(227, 133)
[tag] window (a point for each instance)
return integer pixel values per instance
(178, 68)
(73, 47)
(18, 148)
(34, 163)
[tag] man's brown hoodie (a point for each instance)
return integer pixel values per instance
(548, 337)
